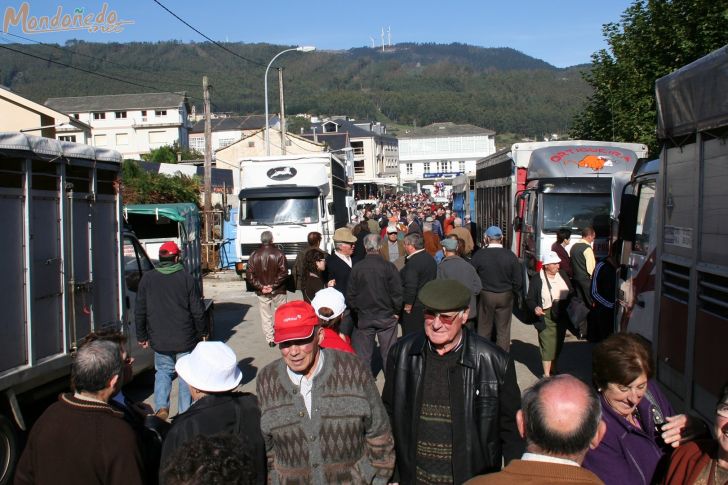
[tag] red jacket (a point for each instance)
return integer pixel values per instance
(332, 340)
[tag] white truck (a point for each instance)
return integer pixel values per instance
(673, 286)
(69, 267)
(290, 196)
(536, 188)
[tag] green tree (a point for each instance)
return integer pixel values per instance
(171, 154)
(142, 187)
(652, 39)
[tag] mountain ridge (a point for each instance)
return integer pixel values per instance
(410, 83)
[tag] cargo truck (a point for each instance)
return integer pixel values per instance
(68, 268)
(533, 189)
(673, 284)
(290, 196)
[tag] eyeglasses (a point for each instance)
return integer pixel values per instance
(722, 410)
(445, 319)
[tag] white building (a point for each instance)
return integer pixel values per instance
(375, 154)
(132, 124)
(431, 156)
(228, 130)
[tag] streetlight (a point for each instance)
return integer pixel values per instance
(301, 48)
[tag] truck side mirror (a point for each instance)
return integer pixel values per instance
(332, 208)
(628, 217)
(517, 223)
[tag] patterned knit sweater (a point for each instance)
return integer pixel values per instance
(346, 440)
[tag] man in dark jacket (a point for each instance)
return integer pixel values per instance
(451, 395)
(500, 274)
(212, 372)
(375, 293)
(338, 269)
(267, 273)
(169, 316)
(80, 438)
(419, 268)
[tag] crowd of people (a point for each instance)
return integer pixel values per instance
(410, 278)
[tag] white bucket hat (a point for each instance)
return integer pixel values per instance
(329, 298)
(210, 367)
(550, 257)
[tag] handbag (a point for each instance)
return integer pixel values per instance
(577, 311)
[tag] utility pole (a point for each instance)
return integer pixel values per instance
(208, 158)
(283, 111)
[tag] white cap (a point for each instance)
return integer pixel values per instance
(550, 257)
(329, 298)
(210, 367)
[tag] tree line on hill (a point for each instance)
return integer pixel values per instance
(410, 84)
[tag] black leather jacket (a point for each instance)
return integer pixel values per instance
(484, 413)
(267, 266)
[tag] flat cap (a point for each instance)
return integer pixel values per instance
(443, 295)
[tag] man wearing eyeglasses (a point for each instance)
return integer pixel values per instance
(321, 415)
(451, 395)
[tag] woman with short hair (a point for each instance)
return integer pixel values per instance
(642, 427)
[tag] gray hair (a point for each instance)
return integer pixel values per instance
(415, 239)
(338, 244)
(95, 364)
(556, 441)
(372, 243)
(266, 237)
(410, 216)
(427, 226)
(457, 222)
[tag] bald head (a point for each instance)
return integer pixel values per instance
(561, 417)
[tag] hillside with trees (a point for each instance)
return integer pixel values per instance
(411, 84)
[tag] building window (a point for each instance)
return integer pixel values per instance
(461, 164)
(99, 116)
(68, 138)
(408, 168)
(100, 140)
(76, 115)
(426, 167)
(157, 137)
(122, 139)
(197, 143)
(119, 114)
(223, 142)
(160, 112)
(251, 144)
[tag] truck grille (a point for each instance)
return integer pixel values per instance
(288, 248)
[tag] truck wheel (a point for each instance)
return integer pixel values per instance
(9, 450)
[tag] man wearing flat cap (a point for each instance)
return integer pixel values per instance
(338, 269)
(451, 395)
(321, 415)
(501, 277)
(212, 373)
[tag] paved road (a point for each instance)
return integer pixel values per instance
(237, 322)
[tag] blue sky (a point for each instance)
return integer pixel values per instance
(561, 32)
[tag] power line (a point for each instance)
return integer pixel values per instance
(113, 78)
(208, 38)
(67, 49)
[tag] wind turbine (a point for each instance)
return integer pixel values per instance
(373, 45)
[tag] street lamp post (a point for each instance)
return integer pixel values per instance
(301, 48)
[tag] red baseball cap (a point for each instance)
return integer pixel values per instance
(169, 248)
(294, 320)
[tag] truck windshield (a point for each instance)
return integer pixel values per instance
(575, 212)
(278, 211)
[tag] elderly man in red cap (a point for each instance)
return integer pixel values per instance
(169, 317)
(321, 415)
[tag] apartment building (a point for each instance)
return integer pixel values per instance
(132, 124)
